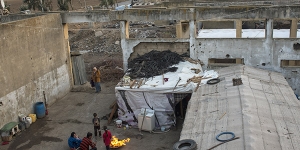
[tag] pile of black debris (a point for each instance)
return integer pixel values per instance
(154, 63)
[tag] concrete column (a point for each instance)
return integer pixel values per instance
(293, 29)
(66, 36)
(192, 28)
(178, 30)
(124, 45)
(238, 28)
(268, 44)
(269, 29)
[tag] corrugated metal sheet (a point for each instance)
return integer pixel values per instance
(79, 72)
(263, 112)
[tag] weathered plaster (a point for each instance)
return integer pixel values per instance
(34, 58)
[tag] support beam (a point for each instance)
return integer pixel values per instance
(192, 29)
(269, 29)
(124, 25)
(293, 29)
(178, 30)
(238, 28)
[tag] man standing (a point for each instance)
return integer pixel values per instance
(96, 78)
(87, 142)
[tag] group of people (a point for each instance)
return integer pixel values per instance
(75, 143)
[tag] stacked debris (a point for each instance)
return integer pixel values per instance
(153, 63)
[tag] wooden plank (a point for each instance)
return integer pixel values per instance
(112, 104)
(238, 61)
(112, 114)
(292, 63)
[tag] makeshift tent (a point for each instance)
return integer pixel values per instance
(157, 93)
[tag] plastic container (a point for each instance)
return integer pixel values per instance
(22, 117)
(119, 123)
(27, 124)
(29, 119)
(40, 110)
(33, 117)
(22, 126)
(162, 129)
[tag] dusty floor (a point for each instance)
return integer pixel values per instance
(74, 113)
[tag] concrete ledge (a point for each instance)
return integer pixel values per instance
(190, 13)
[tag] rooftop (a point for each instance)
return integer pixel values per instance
(263, 111)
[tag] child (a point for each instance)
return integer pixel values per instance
(106, 137)
(96, 122)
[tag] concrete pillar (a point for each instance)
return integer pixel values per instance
(192, 30)
(268, 44)
(178, 30)
(269, 29)
(238, 28)
(293, 29)
(124, 45)
(66, 36)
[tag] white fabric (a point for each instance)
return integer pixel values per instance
(159, 95)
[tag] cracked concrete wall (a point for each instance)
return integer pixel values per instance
(34, 58)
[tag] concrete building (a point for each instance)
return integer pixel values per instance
(280, 54)
(29, 70)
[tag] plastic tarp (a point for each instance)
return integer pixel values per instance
(158, 95)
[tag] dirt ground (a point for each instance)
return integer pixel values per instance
(74, 113)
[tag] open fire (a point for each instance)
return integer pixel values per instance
(116, 143)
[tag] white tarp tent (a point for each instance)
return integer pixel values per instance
(158, 95)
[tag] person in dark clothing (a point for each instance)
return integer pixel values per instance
(106, 137)
(96, 122)
(87, 142)
(74, 141)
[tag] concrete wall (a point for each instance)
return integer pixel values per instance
(255, 52)
(34, 58)
(143, 48)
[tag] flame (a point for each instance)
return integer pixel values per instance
(116, 143)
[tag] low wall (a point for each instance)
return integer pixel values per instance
(34, 58)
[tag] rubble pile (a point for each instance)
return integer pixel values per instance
(153, 63)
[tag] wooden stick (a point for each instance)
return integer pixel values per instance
(197, 86)
(222, 116)
(132, 84)
(112, 114)
(112, 104)
(223, 143)
(140, 83)
(189, 81)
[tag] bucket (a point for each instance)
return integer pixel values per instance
(40, 110)
(22, 117)
(162, 129)
(29, 120)
(119, 123)
(33, 117)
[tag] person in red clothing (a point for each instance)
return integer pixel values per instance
(106, 137)
(87, 142)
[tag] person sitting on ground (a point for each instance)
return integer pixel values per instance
(87, 142)
(74, 141)
(106, 137)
